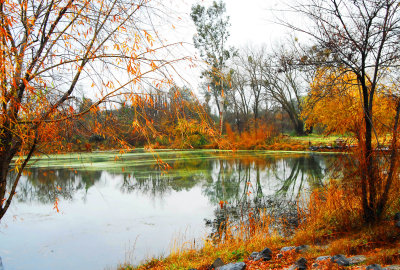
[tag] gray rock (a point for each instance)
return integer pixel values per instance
(301, 264)
(285, 249)
(266, 252)
(340, 260)
(302, 248)
(374, 267)
(233, 266)
(392, 267)
(253, 255)
(315, 265)
(265, 255)
(397, 216)
(398, 224)
(280, 255)
(323, 258)
(217, 263)
(357, 259)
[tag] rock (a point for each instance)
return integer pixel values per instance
(374, 267)
(285, 249)
(398, 224)
(301, 264)
(392, 267)
(280, 255)
(265, 255)
(233, 266)
(323, 258)
(315, 265)
(253, 256)
(302, 248)
(217, 263)
(357, 259)
(397, 216)
(340, 260)
(266, 252)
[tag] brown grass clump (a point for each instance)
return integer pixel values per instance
(334, 217)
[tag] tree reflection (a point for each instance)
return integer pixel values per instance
(246, 182)
(44, 185)
(269, 185)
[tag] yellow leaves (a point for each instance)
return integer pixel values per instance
(135, 124)
(335, 103)
(110, 84)
(56, 205)
(222, 203)
(2, 201)
(148, 37)
(153, 65)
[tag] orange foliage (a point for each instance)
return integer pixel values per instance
(256, 139)
(335, 103)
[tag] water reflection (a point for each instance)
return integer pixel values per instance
(197, 179)
(231, 178)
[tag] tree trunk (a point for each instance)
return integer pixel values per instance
(368, 185)
(300, 128)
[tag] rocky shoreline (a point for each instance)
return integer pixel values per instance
(257, 260)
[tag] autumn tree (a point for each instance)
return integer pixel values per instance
(48, 49)
(360, 38)
(334, 102)
(212, 34)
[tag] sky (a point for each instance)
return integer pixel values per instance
(253, 23)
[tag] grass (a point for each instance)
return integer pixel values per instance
(317, 138)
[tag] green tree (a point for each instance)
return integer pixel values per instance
(212, 34)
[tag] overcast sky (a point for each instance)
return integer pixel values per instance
(252, 23)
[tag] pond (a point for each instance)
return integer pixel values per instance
(123, 208)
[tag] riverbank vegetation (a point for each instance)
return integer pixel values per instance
(342, 83)
(330, 223)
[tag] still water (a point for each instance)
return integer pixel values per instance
(123, 208)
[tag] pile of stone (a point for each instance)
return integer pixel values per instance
(302, 263)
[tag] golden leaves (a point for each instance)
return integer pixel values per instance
(335, 103)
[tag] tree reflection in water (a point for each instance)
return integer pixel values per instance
(247, 182)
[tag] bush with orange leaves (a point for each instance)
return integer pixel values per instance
(330, 210)
(255, 139)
